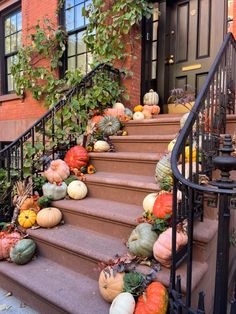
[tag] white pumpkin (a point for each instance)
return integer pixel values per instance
(101, 146)
(124, 303)
(77, 190)
(151, 98)
(149, 201)
(118, 105)
(138, 115)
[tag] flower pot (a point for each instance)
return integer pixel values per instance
(179, 108)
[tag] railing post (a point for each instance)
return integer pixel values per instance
(225, 163)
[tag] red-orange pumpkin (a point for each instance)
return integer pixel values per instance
(153, 301)
(96, 119)
(7, 240)
(163, 205)
(76, 157)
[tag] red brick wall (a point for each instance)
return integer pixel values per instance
(232, 13)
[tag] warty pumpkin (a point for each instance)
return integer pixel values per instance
(118, 113)
(163, 204)
(110, 284)
(49, 217)
(162, 249)
(57, 171)
(141, 240)
(23, 251)
(27, 218)
(151, 98)
(54, 191)
(124, 303)
(7, 240)
(153, 301)
(77, 190)
(76, 157)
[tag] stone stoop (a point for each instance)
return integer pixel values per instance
(63, 276)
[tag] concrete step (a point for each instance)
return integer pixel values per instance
(49, 287)
(125, 188)
(107, 217)
(76, 248)
(161, 124)
(126, 162)
(142, 143)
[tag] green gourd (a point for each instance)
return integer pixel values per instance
(163, 168)
(56, 192)
(141, 240)
(109, 125)
(166, 183)
(23, 251)
(128, 113)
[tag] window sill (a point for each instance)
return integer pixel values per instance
(9, 97)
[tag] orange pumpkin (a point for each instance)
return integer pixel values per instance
(76, 157)
(162, 249)
(96, 119)
(116, 112)
(153, 301)
(163, 205)
(7, 241)
(30, 203)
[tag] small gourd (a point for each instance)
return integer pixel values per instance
(23, 251)
(151, 98)
(49, 217)
(109, 125)
(138, 116)
(54, 191)
(101, 146)
(57, 172)
(153, 301)
(27, 218)
(141, 240)
(110, 284)
(118, 105)
(138, 108)
(149, 201)
(128, 114)
(77, 190)
(124, 303)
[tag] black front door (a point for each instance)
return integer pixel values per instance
(196, 32)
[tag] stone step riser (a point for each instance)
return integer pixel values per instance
(143, 146)
(72, 260)
(158, 128)
(142, 167)
(129, 195)
(109, 227)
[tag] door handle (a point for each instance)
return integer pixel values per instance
(170, 60)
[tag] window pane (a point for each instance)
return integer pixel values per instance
(69, 4)
(154, 50)
(7, 26)
(81, 63)
(79, 1)
(19, 40)
(89, 61)
(71, 45)
(7, 45)
(81, 46)
(13, 43)
(79, 19)
(71, 63)
(70, 19)
(155, 12)
(9, 63)
(154, 69)
(19, 21)
(154, 35)
(13, 23)
(9, 83)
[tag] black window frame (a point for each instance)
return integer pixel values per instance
(15, 8)
(75, 31)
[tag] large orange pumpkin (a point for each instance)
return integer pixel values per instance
(76, 157)
(163, 205)
(153, 301)
(7, 240)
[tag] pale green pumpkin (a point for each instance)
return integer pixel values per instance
(163, 168)
(141, 240)
(54, 191)
(109, 125)
(23, 251)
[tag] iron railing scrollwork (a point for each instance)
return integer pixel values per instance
(43, 132)
(202, 134)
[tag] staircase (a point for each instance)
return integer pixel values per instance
(63, 277)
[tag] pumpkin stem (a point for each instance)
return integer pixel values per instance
(134, 237)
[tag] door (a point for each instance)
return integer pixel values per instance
(196, 31)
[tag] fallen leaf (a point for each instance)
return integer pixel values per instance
(4, 307)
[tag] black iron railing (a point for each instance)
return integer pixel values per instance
(193, 163)
(42, 141)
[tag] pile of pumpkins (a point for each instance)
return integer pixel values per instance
(150, 107)
(14, 248)
(60, 184)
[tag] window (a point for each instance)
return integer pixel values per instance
(77, 55)
(12, 34)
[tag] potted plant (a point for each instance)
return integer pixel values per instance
(181, 100)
